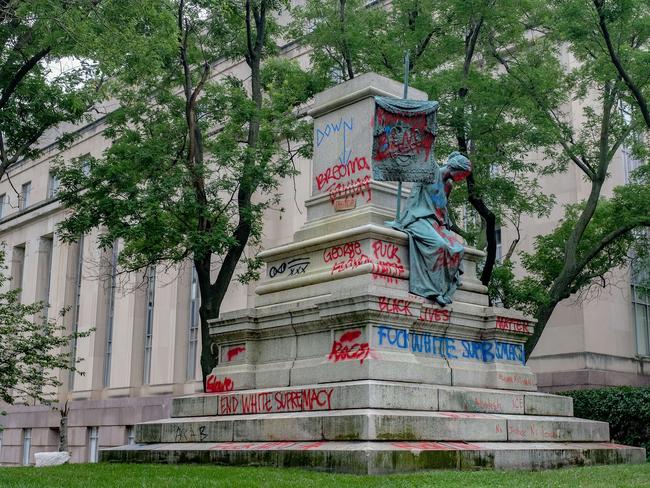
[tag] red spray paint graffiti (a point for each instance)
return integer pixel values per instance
(387, 265)
(516, 379)
(346, 181)
(347, 250)
(408, 136)
(435, 446)
(341, 171)
(347, 256)
(347, 348)
(386, 251)
(446, 260)
(215, 385)
(434, 315)
(395, 305)
(307, 399)
(513, 325)
(233, 352)
(353, 188)
(267, 446)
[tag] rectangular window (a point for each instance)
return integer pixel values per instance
(469, 217)
(52, 185)
(3, 205)
(27, 445)
(44, 273)
(25, 193)
(130, 435)
(641, 309)
(93, 444)
(148, 329)
(499, 250)
(0, 446)
(630, 162)
(85, 165)
(76, 308)
(110, 316)
(193, 329)
(17, 267)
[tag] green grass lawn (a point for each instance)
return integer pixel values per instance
(134, 475)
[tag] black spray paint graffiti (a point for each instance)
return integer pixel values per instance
(187, 434)
(294, 267)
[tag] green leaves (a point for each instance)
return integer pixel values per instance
(342, 34)
(45, 78)
(607, 243)
(625, 408)
(145, 189)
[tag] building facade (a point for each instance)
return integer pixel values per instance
(146, 345)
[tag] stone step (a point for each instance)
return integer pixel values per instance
(372, 424)
(372, 394)
(362, 457)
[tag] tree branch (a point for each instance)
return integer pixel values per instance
(249, 38)
(474, 198)
(636, 92)
(583, 165)
(513, 245)
(344, 43)
(8, 162)
(609, 239)
(3, 153)
(20, 74)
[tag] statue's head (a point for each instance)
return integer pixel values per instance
(459, 166)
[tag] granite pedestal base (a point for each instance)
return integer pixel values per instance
(371, 427)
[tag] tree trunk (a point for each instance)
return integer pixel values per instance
(63, 428)
(461, 137)
(212, 294)
(490, 229)
(208, 310)
(63, 433)
(208, 360)
(345, 49)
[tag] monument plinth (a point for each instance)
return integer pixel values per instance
(339, 367)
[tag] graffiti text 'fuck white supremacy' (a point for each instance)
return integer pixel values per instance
(450, 347)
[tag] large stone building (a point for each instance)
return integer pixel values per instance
(145, 348)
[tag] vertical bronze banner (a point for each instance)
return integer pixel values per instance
(403, 140)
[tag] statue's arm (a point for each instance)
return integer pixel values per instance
(448, 186)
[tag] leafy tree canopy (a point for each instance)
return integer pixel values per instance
(55, 58)
(514, 78)
(196, 156)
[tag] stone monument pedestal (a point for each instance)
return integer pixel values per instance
(339, 367)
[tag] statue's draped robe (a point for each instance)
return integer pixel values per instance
(435, 253)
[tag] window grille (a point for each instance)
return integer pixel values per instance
(641, 310)
(194, 324)
(77, 303)
(27, 445)
(148, 330)
(110, 314)
(93, 444)
(25, 194)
